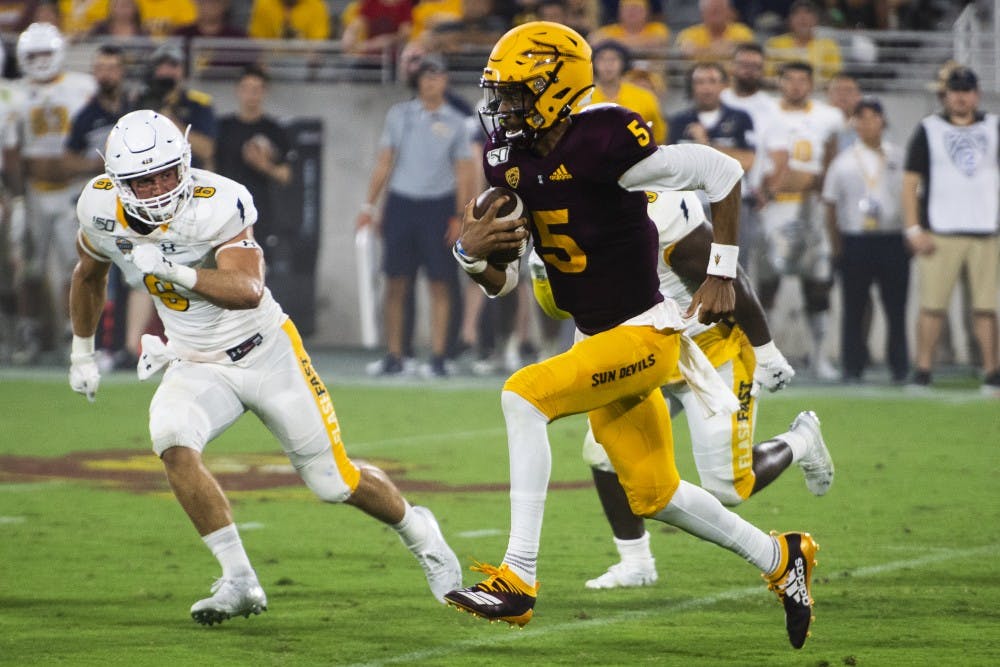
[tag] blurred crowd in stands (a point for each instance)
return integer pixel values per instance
(761, 85)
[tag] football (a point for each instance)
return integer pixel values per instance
(512, 209)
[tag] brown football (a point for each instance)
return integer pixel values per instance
(512, 209)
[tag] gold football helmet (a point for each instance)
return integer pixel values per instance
(537, 74)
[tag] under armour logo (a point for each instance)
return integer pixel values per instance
(168, 247)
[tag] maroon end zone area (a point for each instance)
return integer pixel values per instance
(143, 473)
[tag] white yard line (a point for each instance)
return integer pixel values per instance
(492, 638)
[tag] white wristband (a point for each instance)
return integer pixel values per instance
(722, 260)
(368, 209)
(184, 276)
(82, 345)
(470, 265)
(766, 352)
(913, 230)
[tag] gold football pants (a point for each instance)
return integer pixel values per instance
(615, 377)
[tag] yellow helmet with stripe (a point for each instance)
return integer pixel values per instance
(539, 73)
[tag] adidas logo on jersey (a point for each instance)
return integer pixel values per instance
(560, 174)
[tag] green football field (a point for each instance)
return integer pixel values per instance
(99, 565)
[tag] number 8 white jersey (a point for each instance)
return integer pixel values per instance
(220, 210)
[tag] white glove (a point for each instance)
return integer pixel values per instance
(148, 258)
(773, 372)
(84, 376)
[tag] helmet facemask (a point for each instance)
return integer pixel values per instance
(163, 208)
(510, 108)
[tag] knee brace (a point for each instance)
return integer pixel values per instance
(594, 454)
(323, 478)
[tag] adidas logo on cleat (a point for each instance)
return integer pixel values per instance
(503, 596)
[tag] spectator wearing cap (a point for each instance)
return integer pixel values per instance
(800, 43)
(166, 93)
(635, 29)
(951, 207)
(289, 19)
(716, 36)
(861, 193)
(424, 165)
(611, 61)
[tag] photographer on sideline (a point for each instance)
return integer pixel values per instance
(166, 93)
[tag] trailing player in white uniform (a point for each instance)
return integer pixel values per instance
(729, 465)
(799, 144)
(50, 99)
(11, 210)
(186, 236)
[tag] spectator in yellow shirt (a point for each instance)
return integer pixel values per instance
(429, 13)
(611, 61)
(716, 36)
(801, 43)
(161, 17)
(634, 29)
(289, 19)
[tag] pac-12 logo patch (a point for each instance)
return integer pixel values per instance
(512, 176)
(124, 245)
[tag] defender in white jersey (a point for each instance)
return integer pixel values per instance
(799, 145)
(186, 236)
(729, 465)
(51, 97)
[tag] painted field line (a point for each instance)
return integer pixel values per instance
(492, 637)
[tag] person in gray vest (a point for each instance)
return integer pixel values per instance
(951, 204)
(425, 165)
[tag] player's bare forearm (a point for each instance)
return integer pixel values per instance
(726, 217)
(689, 259)
(87, 292)
(237, 283)
(749, 314)
(492, 279)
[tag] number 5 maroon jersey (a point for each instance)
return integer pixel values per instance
(596, 239)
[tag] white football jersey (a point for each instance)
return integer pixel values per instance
(676, 214)
(804, 133)
(219, 210)
(46, 112)
(11, 96)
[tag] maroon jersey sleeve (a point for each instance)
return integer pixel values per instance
(625, 139)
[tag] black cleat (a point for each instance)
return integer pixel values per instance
(502, 597)
(791, 583)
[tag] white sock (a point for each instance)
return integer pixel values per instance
(796, 442)
(413, 531)
(530, 464)
(635, 551)
(818, 325)
(227, 548)
(698, 512)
